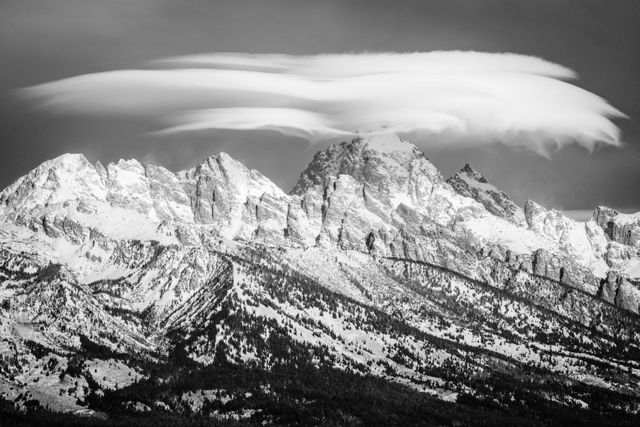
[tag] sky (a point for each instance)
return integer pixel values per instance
(43, 43)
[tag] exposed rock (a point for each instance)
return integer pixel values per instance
(622, 228)
(470, 183)
(374, 264)
(374, 194)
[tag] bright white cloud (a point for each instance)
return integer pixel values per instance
(484, 97)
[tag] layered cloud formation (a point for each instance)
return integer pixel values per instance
(476, 97)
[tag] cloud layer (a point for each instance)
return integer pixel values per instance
(477, 97)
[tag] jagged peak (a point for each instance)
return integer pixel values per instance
(224, 168)
(531, 206)
(69, 176)
(68, 158)
(221, 157)
(66, 161)
(364, 157)
(78, 160)
(468, 177)
(221, 161)
(469, 182)
(470, 172)
(127, 164)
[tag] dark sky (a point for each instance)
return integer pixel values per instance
(44, 40)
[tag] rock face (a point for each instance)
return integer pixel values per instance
(363, 191)
(622, 228)
(205, 263)
(583, 242)
(238, 202)
(470, 183)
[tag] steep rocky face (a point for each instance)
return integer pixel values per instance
(582, 245)
(238, 202)
(383, 161)
(605, 245)
(470, 183)
(393, 202)
(220, 193)
(375, 190)
(620, 292)
(576, 238)
(622, 228)
(69, 196)
(66, 178)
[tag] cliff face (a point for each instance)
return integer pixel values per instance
(621, 228)
(470, 183)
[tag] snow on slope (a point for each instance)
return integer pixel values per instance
(470, 183)
(388, 143)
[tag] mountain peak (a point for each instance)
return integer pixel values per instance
(469, 182)
(367, 158)
(470, 172)
(67, 177)
(387, 143)
(467, 178)
(226, 168)
(68, 158)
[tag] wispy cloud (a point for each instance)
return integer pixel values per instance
(484, 97)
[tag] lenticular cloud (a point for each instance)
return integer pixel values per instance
(482, 97)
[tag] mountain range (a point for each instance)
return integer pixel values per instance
(375, 292)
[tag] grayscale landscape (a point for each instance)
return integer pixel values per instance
(441, 235)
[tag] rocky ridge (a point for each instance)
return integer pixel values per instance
(385, 199)
(152, 262)
(470, 183)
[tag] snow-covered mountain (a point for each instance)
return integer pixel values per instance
(470, 183)
(374, 264)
